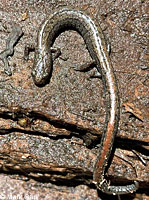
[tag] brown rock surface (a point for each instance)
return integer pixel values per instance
(49, 135)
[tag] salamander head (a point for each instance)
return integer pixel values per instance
(42, 67)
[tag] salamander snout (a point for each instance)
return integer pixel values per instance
(42, 68)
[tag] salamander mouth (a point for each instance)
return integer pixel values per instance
(39, 79)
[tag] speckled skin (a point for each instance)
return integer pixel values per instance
(66, 19)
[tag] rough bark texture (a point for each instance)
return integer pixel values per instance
(49, 136)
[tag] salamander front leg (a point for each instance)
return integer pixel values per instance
(28, 48)
(56, 52)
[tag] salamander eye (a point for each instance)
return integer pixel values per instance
(33, 73)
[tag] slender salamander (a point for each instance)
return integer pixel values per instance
(69, 19)
(13, 37)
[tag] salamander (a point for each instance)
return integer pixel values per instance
(73, 19)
